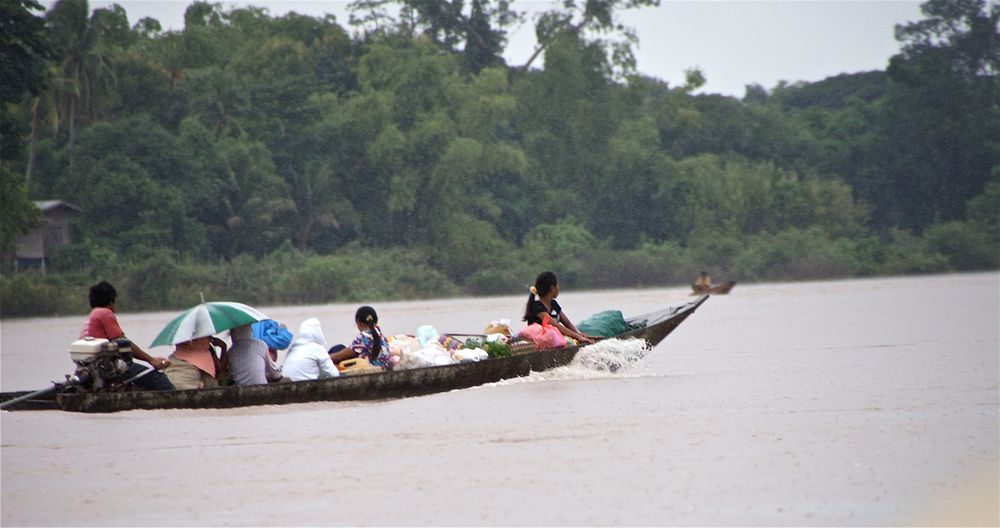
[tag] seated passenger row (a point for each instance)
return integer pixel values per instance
(252, 358)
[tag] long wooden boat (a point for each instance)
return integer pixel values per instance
(400, 383)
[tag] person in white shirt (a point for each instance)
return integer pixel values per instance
(308, 358)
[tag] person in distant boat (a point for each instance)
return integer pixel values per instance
(308, 358)
(702, 283)
(248, 360)
(369, 344)
(102, 323)
(547, 289)
(193, 364)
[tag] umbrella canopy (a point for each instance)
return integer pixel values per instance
(206, 319)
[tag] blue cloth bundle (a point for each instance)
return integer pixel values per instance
(275, 336)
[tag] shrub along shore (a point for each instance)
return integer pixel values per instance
(163, 281)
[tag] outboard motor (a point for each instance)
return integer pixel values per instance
(100, 364)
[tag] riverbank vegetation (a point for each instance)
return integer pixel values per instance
(286, 160)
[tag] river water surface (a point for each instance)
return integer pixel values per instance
(858, 402)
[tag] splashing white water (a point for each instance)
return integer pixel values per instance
(611, 358)
(611, 355)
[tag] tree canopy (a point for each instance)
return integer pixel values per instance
(245, 135)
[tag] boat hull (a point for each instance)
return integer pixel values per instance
(721, 289)
(374, 386)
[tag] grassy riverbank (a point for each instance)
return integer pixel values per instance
(161, 280)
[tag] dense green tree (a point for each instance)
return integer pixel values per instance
(112, 25)
(84, 75)
(587, 20)
(984, 212)
(409, 160)
(253, 212)
(216, 97)
(707, 194)
(566, 120)
(144, 87)
(17, 214)
(279, 77)
(131, 212)
(833, 92)
(937, 141)
(207, 40)
(477, 30)
(24, 50)
(133, 181)
(488, 165)
(561, 245)
(637, 165)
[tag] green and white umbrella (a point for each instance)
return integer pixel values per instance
(207, 319)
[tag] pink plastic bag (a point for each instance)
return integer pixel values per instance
(544, 335)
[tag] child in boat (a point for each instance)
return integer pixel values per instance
(547, 289)
(369, 344)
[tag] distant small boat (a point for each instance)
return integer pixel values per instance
(721, 289)
(399, 383)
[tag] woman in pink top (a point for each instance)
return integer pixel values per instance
(192, 365)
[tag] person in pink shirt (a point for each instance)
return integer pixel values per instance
(192, 365)
(103, 323)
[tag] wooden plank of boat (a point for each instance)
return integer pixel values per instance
(374, 386)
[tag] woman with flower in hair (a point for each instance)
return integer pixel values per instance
(542, 301)
(369, 344)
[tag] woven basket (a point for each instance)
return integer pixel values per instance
(359, 365)
(521, 346)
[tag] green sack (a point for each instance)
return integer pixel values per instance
(608, 323)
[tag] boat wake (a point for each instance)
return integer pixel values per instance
(611, 358)
(611, 355)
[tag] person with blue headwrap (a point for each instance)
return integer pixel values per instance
(275, 335)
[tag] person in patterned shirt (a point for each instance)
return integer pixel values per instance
(369, 344)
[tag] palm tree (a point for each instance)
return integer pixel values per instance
(41, 106)
(82, 68)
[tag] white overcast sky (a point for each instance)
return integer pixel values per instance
(733, 42)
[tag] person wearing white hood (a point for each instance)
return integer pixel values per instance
(308, 359)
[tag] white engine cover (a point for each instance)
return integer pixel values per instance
(86, 348)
